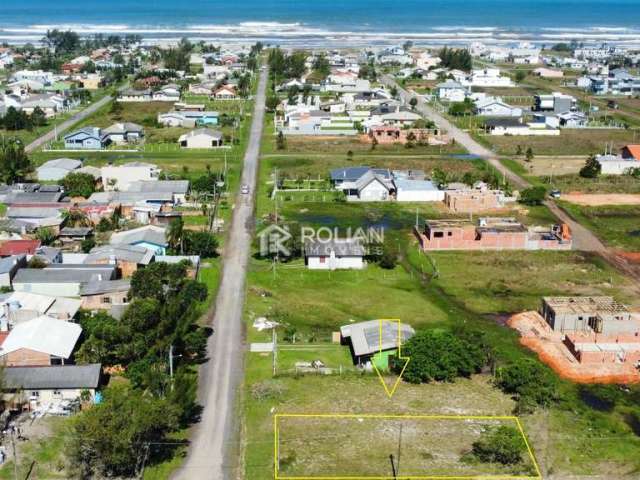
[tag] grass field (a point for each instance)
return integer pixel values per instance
(617, 226)
(569, 142)
(360, 446)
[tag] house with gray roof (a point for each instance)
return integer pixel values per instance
(128, 258)
(374, 340)
(123, 133)
(60, 280)
(109, 295)
(50, 384)
(57, 169)
(150, 237)
(334, 254)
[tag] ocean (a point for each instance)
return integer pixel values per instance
(330, 23)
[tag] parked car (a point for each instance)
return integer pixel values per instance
(244, 189)
(554, 193)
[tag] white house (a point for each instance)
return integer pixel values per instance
(451, 91)
(201, 138)
(118, 177)
(488, 77)
(616, 164)
(417, 191)
(168, 93)
(495, 107)
(369, 187)
(334, 254)
(123, 133)
(57, 169)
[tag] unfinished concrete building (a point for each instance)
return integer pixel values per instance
(600, 315)
(474, 200)
(491, 233)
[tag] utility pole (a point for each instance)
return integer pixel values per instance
(393, 467)
(171, 365)
(399, 451)
(15, 457)
(274, 339)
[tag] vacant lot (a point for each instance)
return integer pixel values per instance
(569, 142)
(601, 199)
(360, 446)
(616, 225)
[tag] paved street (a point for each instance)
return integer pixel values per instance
(583, 239)
(213, 438)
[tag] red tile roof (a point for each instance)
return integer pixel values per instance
(634, 150)
(17, 247)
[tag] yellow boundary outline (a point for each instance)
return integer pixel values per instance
(513, 418)
(407, 359)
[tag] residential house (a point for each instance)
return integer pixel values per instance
(75, 234)
(188, 119)
(17, 307)
(388, 134)
(451, 91)
(88, 138)
(167, 93)
(340, 176)
(40, 342)
(408, 190)
(556, 102)
(123, 133)
(624, 163)
(47, 385)
(516, 127)
(225, 92)
(127, 258)
(334, 254)
(573, 120)
(60, 280)
(132, 95)
(118, 177)
(57, 169)
(495, 107)
(370, 187)
(374, 341)
(150, 237)
(177, 188)
(201, 138)
(110, 295)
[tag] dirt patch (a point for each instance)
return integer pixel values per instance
(536, 335)
(600, 199)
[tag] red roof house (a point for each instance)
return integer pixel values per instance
(17, 247)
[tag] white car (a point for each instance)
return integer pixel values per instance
(244, 189)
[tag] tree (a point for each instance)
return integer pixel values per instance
(46, 236)
(14, 162)
(533, 196)
(175, 234)
(79, 184)
(528, 156)
(529, 381)
(520, 75)
(591, 169)
(503, 444)
(272, 103)
(87, 244)
(459, 109)
(38, 117)
(413, 102)
(452, 59)
(200, 243)
(439, 355)
(110, 438)
(281, 142)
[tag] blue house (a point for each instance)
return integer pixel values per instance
(88, 138)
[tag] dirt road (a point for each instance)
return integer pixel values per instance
(212, 441)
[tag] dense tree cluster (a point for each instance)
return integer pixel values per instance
(79, 184)
(14, 162)
(455, 59)
(283, 66)
(20, 120)
(439, 355)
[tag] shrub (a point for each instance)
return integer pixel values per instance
(503, 445)
(530, 382)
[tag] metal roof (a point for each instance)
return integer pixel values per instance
(107, 286)
(585, 305)
(53, 377)
(43, 334)
(52, 275)
(159, 186)
(148, 233)
(123, 252)
(63, 163)
(370, 337)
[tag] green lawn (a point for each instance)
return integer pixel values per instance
(617, 226)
